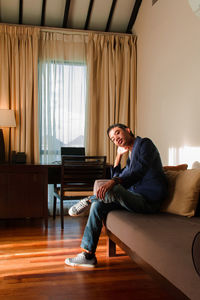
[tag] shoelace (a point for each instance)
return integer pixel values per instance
(81, 205)
(78, 256)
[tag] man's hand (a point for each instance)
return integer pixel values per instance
(104, 188)
(122, 150)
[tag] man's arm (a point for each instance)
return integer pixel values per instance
(109, 185)
(120, 152)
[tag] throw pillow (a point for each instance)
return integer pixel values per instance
(184, 188)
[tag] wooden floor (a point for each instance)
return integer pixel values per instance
(32, 266)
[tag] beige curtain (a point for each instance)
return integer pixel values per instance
(62, 46)
(19, 86)
(112, 89)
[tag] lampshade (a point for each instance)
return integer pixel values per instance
(7, 118)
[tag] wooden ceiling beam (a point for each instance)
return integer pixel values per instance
(20, 11)
(66, 14)
(133, 15)
(88, 14)
(111, 15)
(43, 13)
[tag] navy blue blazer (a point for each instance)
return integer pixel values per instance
(143, 173)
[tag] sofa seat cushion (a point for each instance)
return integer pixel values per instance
(162, 240)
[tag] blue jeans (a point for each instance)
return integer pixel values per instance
(117, 198)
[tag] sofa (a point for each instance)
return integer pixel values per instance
(167, 244)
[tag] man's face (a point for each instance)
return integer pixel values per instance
(120, 137)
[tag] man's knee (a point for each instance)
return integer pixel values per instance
(98, 183)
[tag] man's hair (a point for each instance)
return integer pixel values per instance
(122, 126)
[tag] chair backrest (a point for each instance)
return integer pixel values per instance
(80, 174)
(72, 151)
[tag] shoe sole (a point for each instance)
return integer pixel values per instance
(78, 215)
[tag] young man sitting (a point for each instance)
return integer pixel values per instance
(140, 187)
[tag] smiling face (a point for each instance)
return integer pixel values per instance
(121, 137)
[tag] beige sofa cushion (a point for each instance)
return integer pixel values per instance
(184, 188)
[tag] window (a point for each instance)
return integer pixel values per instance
(62, 98)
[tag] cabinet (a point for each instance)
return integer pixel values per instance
(23, 191)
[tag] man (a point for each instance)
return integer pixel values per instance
(140, 187)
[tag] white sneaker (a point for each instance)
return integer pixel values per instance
(79, 207)
(81, 260)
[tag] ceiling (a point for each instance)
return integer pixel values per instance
(95, 15)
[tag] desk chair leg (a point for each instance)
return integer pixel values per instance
(54, 201)
(54, 207)
(61, 213)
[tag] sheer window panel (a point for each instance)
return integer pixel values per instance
(62, 94)
(62, 102)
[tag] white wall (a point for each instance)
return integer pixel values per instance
(168, 91)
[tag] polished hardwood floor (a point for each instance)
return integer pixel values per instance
(32, 266)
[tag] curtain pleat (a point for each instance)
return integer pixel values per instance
(19, 87)
(111, 89)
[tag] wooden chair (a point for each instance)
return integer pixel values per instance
(78, 174)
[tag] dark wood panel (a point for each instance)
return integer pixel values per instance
(23, 191)
(26, 195)
(4, 194)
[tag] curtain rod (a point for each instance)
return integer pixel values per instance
(68, 30)
(79, 31)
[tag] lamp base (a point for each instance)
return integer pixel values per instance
(2, 147)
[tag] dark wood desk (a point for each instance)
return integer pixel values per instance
(54, 173)
(23, 191)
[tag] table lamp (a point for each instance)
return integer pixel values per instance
(7, 119)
